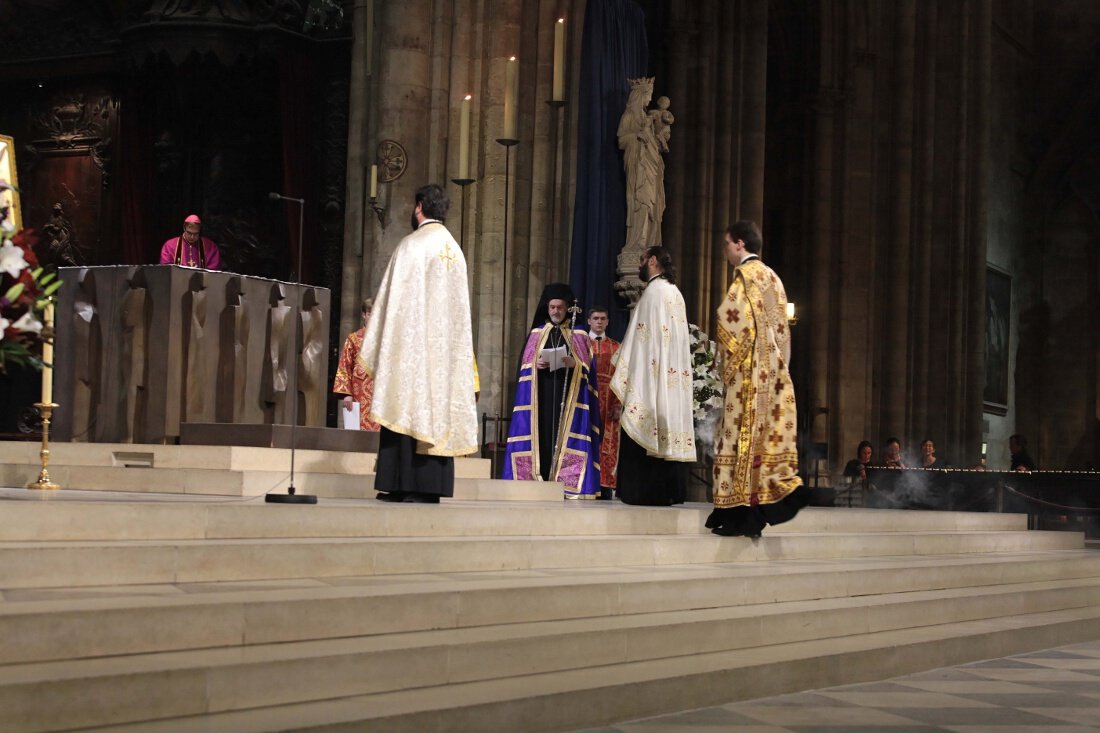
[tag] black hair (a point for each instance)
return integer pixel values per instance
(433, 201)
(598, 309)
(747, 232)
(864, 444)
(664, 259)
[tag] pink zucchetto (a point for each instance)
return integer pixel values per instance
(193, 219)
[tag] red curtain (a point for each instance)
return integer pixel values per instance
(297, 82)
(137, 176)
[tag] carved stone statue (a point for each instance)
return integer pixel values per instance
(233, 329)
(643, 137)
(312, 379)
(88, 340)
(132, 316)
(194, 310)
(275, 375)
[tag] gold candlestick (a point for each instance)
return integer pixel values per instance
(45, 409)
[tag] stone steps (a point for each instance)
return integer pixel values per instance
(255, 482)
(145, 619)
(197, 470)
(547, 701)
(187, 614)
(90, 563)
(59, 518)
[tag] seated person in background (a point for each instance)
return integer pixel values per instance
(892, 457)
(190, 248)
(928, 455)
(857, 467)
(1021, 461)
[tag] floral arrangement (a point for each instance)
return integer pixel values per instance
(26, 292)
(706, 385)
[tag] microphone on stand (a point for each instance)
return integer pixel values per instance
(291, 496)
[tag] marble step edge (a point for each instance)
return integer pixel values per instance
(257, 482)
(35, 520)
(600, 695)
(82, 564)
(138, 455)
(706, 630)
(74, 628)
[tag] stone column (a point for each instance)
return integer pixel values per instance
(974, 333)
(358, 157)
(894, 294)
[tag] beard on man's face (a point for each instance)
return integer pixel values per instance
(413, 222)
(557, 318)
(643, 273)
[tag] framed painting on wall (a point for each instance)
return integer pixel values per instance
(9, 183)
(998, 316)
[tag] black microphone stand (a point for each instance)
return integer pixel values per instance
(291, 496)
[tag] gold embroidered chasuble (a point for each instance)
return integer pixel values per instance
(418, 346)
(653, 375)
(756, 458)
(351, 378)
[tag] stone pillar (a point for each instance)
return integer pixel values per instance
(358, 157)
(974, 332)
(894, 294)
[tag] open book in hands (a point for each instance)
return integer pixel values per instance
(555, 357)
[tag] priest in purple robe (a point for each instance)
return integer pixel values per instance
(190, 248)
(555, 430)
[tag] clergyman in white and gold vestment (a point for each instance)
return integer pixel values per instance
(419, 349)
(756, 480)
(653, 382)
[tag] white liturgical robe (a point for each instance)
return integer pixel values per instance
(653, 374)
(419, 345)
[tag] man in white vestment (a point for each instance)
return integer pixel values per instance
(419, 349)
(653, 382)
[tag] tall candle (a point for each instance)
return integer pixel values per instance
(47, 357)
(464, 140)
(374, 182)
(559, 60)
(790, 311)
(511, 92)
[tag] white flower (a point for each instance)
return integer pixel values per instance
(4, 323)
(28, 324)
(11, 259)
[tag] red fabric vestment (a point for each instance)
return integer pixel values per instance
(603, 350)
(352, 379)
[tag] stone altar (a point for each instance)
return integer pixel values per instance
(142, 349)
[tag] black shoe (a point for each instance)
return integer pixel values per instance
(421, 498)
(734, 532)
(391, 496)
(605, 494)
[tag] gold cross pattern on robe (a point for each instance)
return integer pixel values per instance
(447, 255)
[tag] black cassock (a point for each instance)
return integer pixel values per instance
(404, 474)
(552, 386)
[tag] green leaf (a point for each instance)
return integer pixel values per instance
(14, 292)
(48, 276)
(52, 288)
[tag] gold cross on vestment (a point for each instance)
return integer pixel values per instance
(447, 255)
